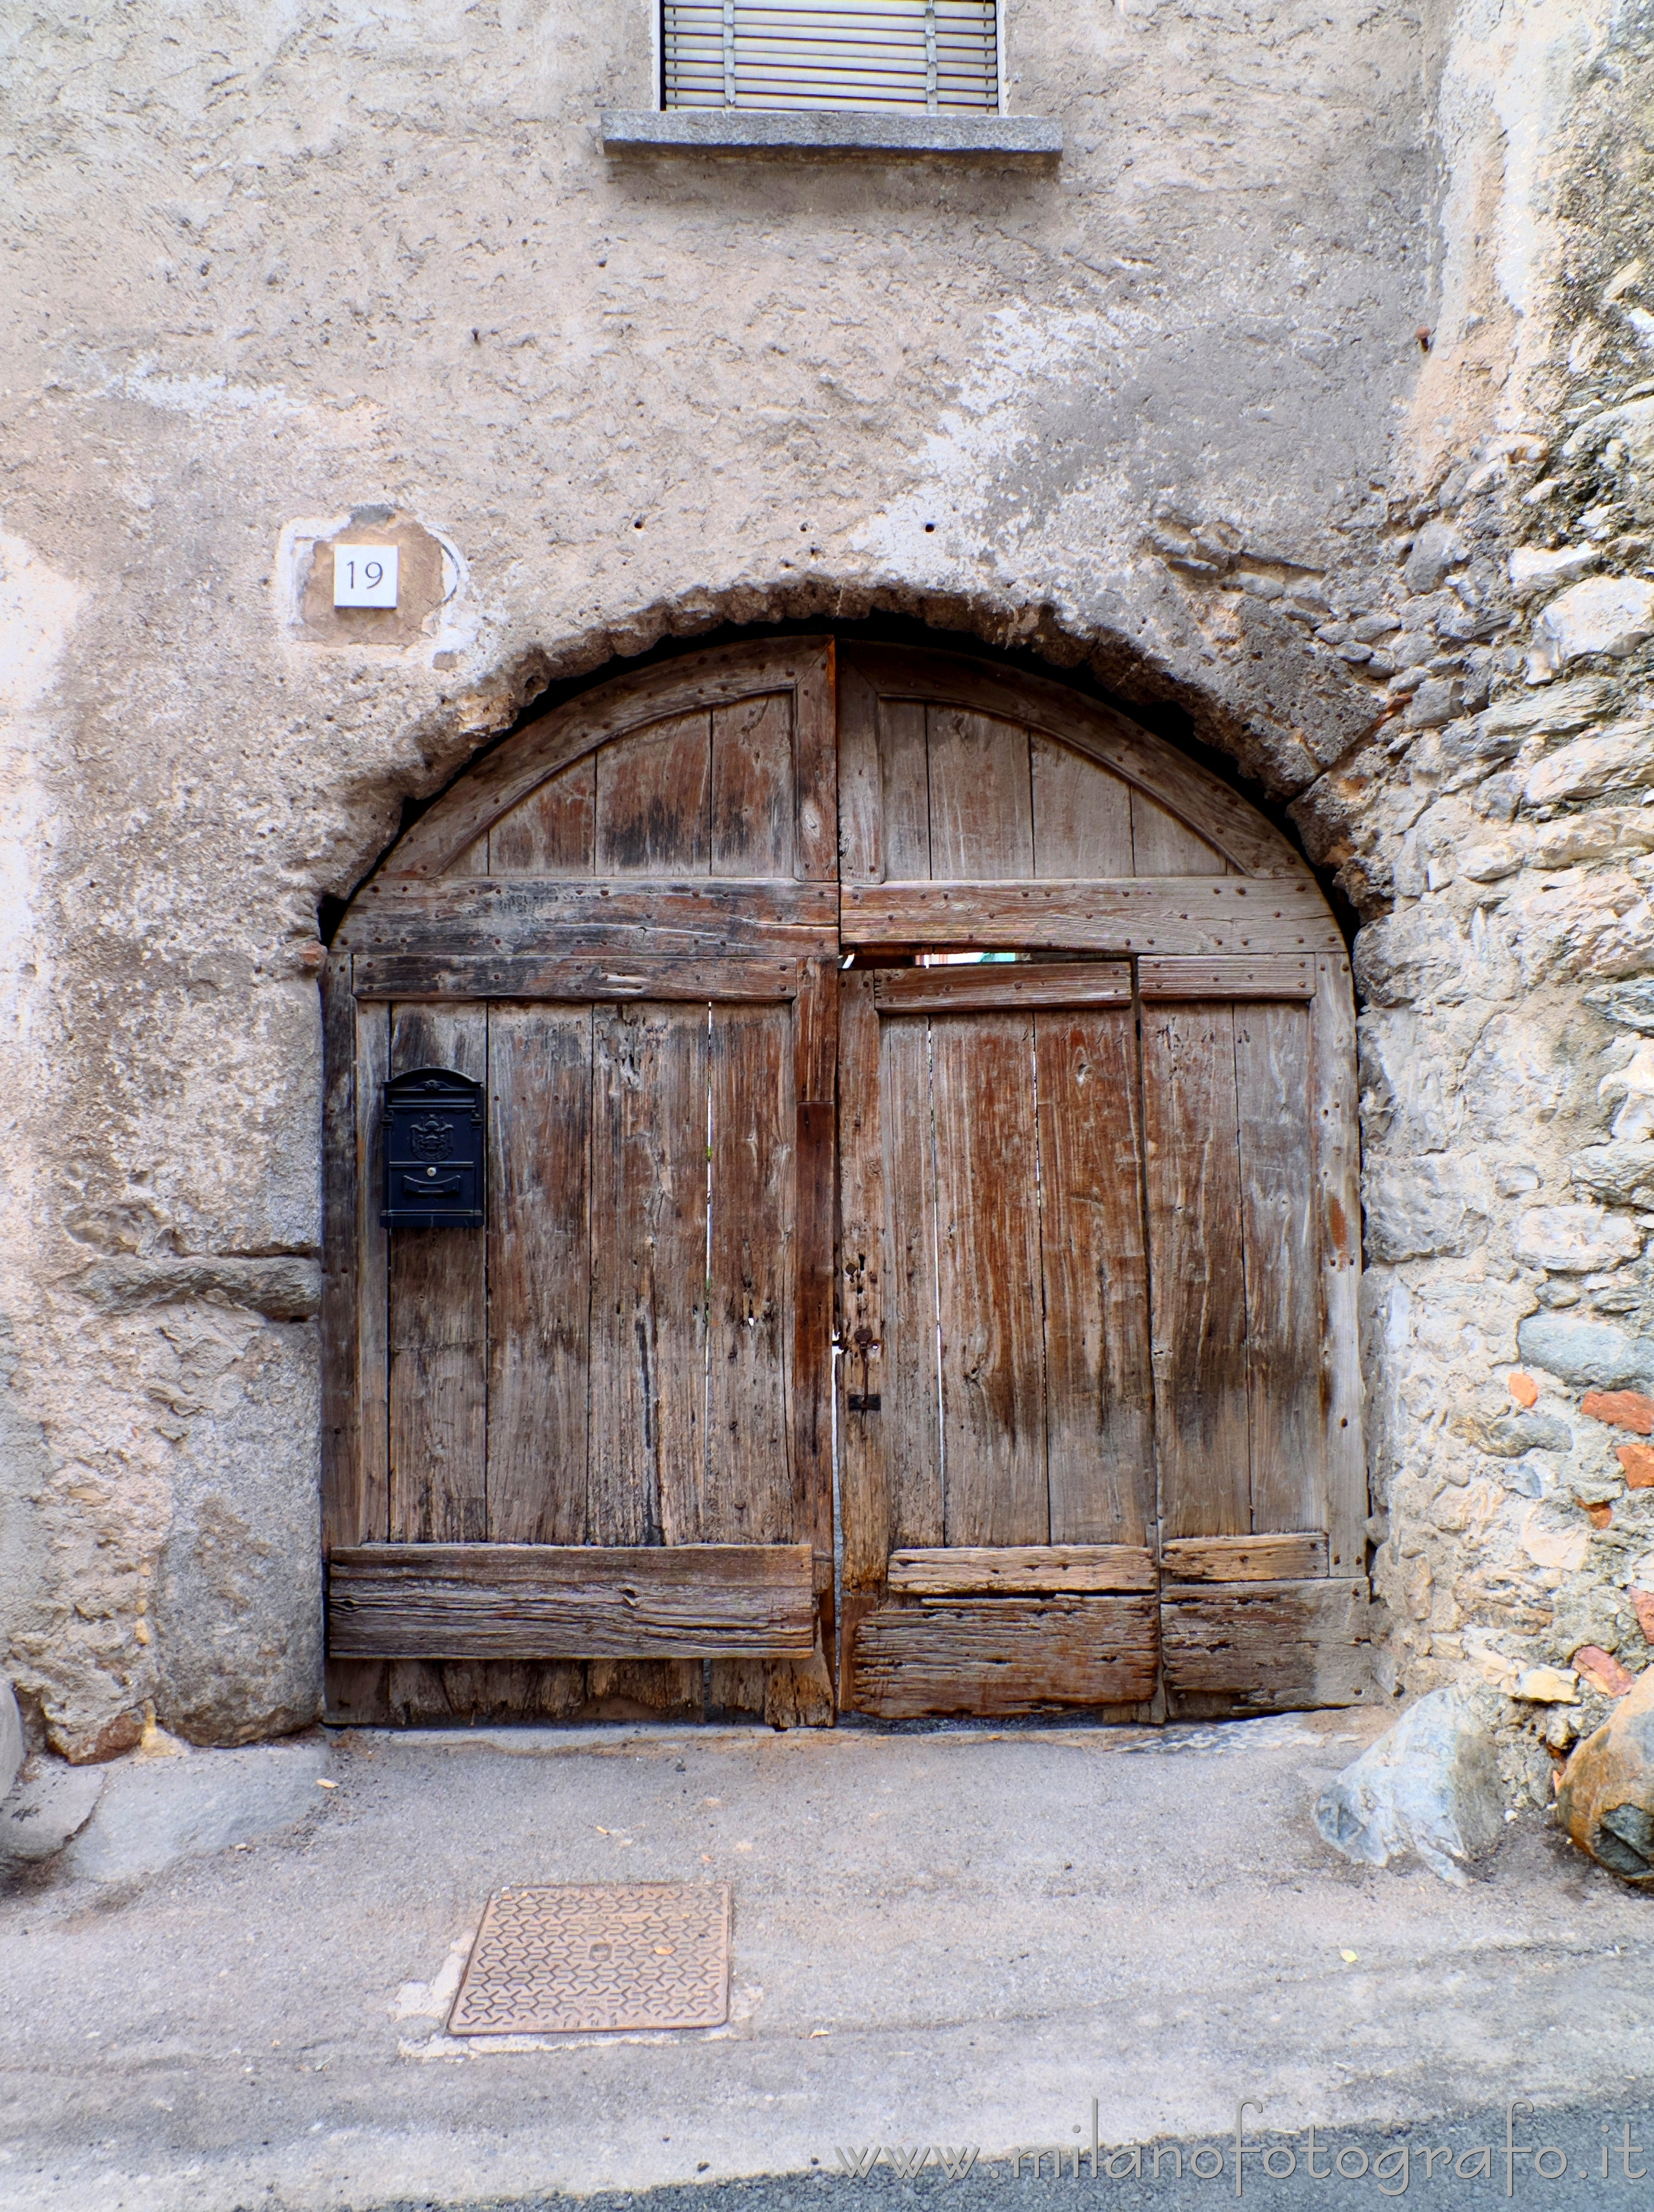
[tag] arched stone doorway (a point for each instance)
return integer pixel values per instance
(921, 1237)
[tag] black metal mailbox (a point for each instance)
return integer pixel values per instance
(435, 1151)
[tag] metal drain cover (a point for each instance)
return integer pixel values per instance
(628, 1955)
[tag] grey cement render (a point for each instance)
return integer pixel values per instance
(1243, 409)
(958, 1937)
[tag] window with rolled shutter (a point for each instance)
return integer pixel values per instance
(936, 56)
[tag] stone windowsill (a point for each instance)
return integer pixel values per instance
(740, 131)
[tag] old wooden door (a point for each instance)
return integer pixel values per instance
(1098, 1437)
(1100, 1423)
(578, 1458)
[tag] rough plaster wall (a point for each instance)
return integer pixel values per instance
(1163, 411)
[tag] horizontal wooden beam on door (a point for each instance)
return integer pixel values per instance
(1021, 1570)
(530, 976)
(624, 916)
(1183, 914)
(995, 984)
(570, 1601)
(1006, 1654)
(1288, 1558)
(1272, 1647)
(1229, 975)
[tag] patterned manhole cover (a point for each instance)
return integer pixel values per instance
(638, 1955)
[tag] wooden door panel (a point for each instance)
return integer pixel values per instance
(1283, 1275)
(982, 801)
(911, 1412)
(1202, 1414)
(1254, 1647)
(654, 791)
(1082, 815)
(990, 1336)
(1099, 1406)
(438, 1328)
(540, 1273)
(552, 832)
(647, 1454)
(751, 1496)
(753, 807)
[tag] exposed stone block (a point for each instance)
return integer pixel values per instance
(1428, 1789)
(1575, 1240)
(1606, 1797)
(1586, 1352)
(1610, 615)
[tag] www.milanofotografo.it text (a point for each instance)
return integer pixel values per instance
(1311, 2156)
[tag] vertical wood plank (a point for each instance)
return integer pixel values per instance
(438, 1326)
(653, 789)
(865, 1505)
(815, 737)
(538, 1272)
(982, 801)
(648, 1438)
(1082, 814)
(861, 787)
(1283, 1286)
(749, 1495)
(373, 1271)
(807, 1694)
(753, 798)
(1197, 1277)
(552, 832)
(1336, 1139)
(344, 1508)
(989, 1293)
(904, 776)
(911, 1409)
(1163, 846)
(1098, 1392)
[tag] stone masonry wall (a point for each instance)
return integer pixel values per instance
(1303, 397)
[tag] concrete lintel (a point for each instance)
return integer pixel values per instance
(742, 131)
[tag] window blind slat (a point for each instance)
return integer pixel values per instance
(832, 53)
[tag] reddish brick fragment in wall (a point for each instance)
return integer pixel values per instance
(1603, 1670)
(1643, 1602)
(1626, 1409)
(1638, 1460)
(1523, 1389)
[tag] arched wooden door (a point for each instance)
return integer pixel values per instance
(1094, 1259)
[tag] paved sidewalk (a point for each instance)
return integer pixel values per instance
(950, 1936)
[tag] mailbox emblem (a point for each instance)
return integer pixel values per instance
(435, 1130)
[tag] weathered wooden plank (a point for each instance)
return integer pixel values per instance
(555, 1601)
(982, 802)
(639, 695)
(815, 739)
(753, 806)
(539, 1275)
(1293, 1557)
(988, 1280)
(1019, 1570)
(621, 917)
(818, 1031)
(439, 1327)
(373, 1272)
(1228, 976)
(644, 1690)
(861, 781)
(654, 800)
(910, 1409)
(1265, 1647)
(1082, 814)
(1336, 1138)
(1099, 1406)
(813, 1327)
(544, 977)
(552, 832)
(1189, 914)
(345, 1508)
(1283, 1273)
(1002, 983)
(1005, 1655)
(1210, 807)
(905, 779)
(743, 1490)
(648, 1269)
(864, 1482)
(1163, 845)
(1196, 1270)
